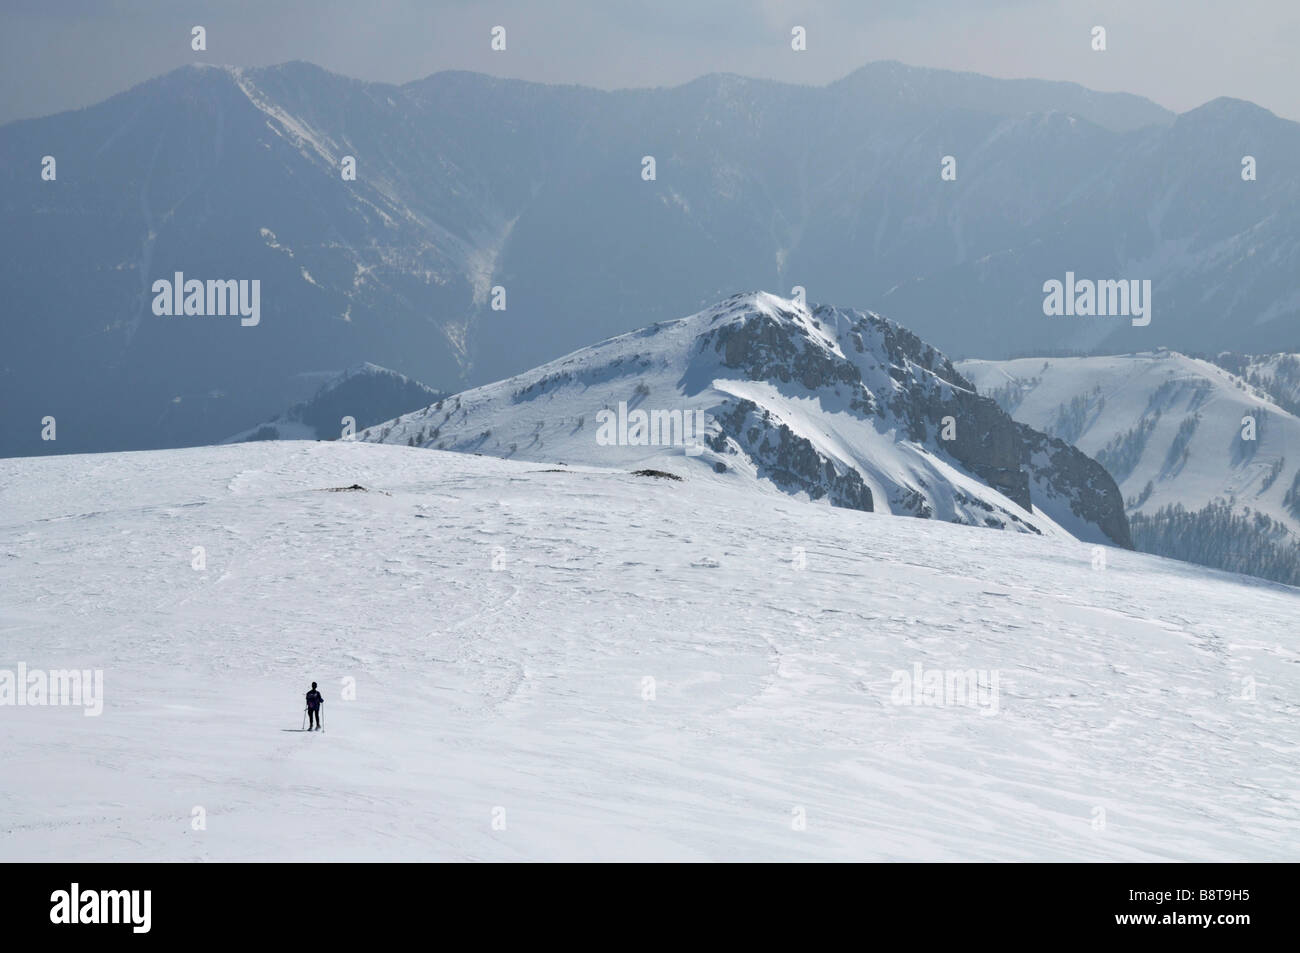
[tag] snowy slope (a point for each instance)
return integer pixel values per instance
(827, 404)
(1170, 430)
(523, 689)
(1278, 375)
(1096, 402)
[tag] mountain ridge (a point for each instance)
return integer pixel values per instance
(827, 403)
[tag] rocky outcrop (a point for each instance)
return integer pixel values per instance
(847, 354)
(1070, 474)
(787, 459)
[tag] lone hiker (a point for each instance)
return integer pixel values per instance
(314, 701)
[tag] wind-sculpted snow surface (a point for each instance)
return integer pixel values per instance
(573, 663)
(828, 404)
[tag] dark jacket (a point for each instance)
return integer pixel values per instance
(314, 699)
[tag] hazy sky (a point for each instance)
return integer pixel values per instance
(60, 54)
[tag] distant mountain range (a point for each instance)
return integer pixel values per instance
(825, 404)
(465, 184)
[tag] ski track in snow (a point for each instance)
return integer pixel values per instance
(1121, 689)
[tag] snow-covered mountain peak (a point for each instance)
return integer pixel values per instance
(763, 336)
(821, 402)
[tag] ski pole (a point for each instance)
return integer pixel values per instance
(304, 719)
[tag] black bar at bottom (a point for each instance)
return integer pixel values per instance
(320, 902)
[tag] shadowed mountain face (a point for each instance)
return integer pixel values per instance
(827, 404)
(366, 394)
(466, 183)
